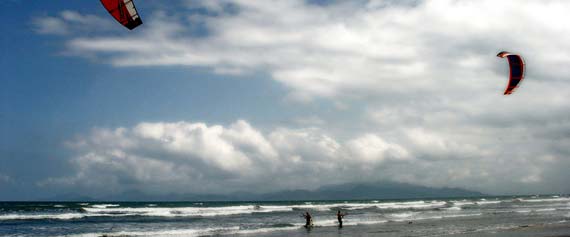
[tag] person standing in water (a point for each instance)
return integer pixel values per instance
(339, 216)
(308, 219)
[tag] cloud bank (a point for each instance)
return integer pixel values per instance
(201, 158)
(196, 157)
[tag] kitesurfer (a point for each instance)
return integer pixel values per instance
(308, 219)
(339, 216)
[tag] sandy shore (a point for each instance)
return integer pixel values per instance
(426, 228)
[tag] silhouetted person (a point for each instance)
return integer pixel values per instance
(308, 219)
(339, 216)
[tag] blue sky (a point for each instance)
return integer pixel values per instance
(48, 97)
(215, 96)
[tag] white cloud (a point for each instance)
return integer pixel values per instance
(71, 22)
(310, 121)
(338, 49)
(50, 25)
(423, 73)
(196, 157)
(435, 145)
(197, 141)
(370, 149)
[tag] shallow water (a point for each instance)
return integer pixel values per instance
(428, 217)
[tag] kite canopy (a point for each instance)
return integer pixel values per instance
(124, 12)
(517, 67)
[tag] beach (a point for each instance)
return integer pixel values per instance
(544, 216)
(429, 228)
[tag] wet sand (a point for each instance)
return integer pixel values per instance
(426, 228)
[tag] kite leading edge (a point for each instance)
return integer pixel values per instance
(517, 68)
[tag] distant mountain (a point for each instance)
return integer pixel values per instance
(68, 197)
(384, 190)
(349, 191)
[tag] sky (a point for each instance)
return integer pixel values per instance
(220, 96)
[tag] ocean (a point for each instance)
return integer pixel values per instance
(412, 217)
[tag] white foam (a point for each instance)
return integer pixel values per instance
(397, 217)
(414, 216)
(181, 232)
(188, 211)
(105, 205)
(249, 209)
(326, 222)
(560, 199)
(386, 205)
(265, 230)
(353, 221)
(545, 210)
(198, 211)
(444, 216)
(481, 201)
(189, 232)
(59, 216)
(459, 215)
(63, 216)
(453, 209)
(367, 222)
(402, 216)
(529, 210)
(523, 211)
(462, 203)
(320, 207)
(411, 205)
(487, 202)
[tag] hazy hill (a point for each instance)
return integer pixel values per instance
(350, 191)
(385, 190)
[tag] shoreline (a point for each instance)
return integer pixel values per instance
(393, 229)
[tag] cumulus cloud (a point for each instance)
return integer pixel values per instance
(371, 149)
(197, 157)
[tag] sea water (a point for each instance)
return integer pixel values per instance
(445, 216)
